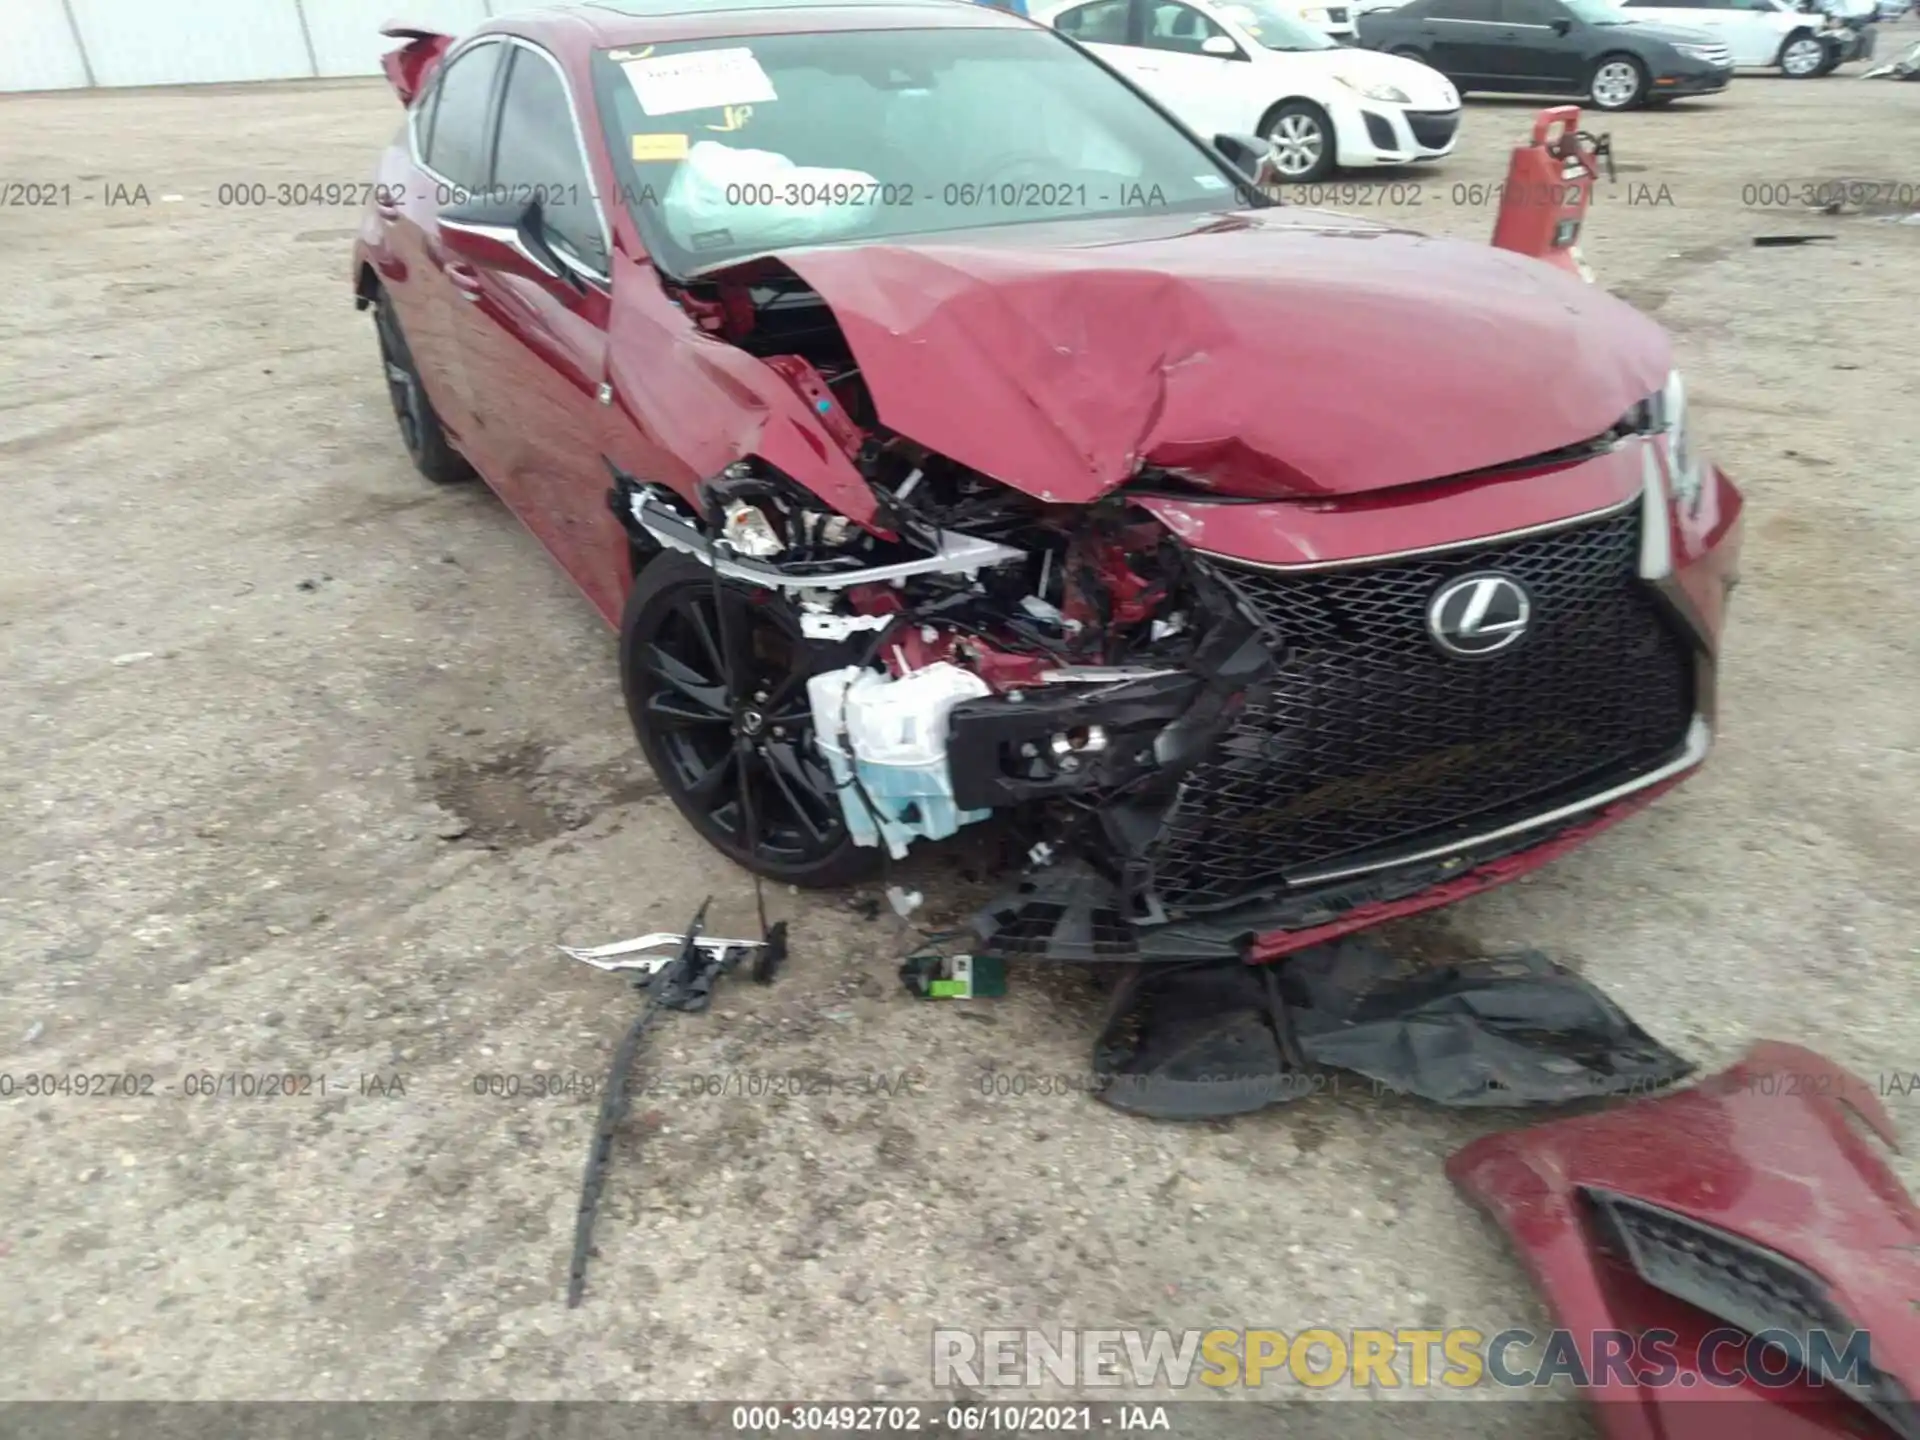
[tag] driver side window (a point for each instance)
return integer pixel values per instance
(538, 157)
(1173, 26)
(1102, 23)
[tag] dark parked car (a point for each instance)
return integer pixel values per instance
(1589, 48)
(952, 434)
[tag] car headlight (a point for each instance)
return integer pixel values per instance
(1698, 52)
(1388, 93)
(1685, 467)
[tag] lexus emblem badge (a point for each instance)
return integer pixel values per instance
(1479, 615)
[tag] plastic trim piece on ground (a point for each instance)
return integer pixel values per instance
(1192, 1041)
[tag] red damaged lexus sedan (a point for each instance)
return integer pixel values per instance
(955, 436)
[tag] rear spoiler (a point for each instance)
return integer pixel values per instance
(409, 65)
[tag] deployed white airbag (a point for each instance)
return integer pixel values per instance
(760, 200)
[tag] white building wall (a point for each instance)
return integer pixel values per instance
(37, 49)
(65, 44)
(186, 42)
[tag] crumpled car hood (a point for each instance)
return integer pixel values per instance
(1271, 354)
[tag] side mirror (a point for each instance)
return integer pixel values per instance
(1219, 45)
(504, 236)
(1563, 26)
(1251, 156)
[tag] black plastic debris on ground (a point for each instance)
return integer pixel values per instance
(1213, 1039)
(684, 983)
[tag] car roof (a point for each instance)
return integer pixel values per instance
(608, 23)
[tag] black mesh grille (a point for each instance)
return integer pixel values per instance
(1433, 128)
(1372, 739)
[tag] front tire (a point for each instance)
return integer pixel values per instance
(1301, 135)
(1619, 83)
(699, 745)
(1804, 56)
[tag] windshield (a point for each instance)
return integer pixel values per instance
(731, 147)
(1599, 12)
(1275, 29)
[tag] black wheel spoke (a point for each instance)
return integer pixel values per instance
(701, 623)
(717, 784)
(736, 643)
(705, 695)
(806, 803)
(675, 712)
(787, 702)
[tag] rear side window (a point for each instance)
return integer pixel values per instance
(1178, 27)
(456, 145)
(538, 157)
(1459, 10)
(1102, 23)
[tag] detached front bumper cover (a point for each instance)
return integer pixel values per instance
(1750, 1206)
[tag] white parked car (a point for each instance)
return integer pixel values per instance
(1761, 33)
(1252, 67)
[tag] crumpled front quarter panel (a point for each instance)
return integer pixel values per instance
(694, 404)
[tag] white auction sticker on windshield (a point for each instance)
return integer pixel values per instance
(702, 80)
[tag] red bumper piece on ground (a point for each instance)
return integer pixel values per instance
(1754, 1196)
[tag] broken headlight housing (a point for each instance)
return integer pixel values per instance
(1685, 469)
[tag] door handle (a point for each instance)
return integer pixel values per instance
(465, 279)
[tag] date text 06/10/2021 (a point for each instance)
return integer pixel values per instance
(811, 1419)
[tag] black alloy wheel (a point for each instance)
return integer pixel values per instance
(676, 642)
(420, 430)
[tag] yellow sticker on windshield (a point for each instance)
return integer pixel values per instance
(642, 53)
(660, 147)
(733, 118)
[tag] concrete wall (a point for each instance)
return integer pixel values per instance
(69, 44)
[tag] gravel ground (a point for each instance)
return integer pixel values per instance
(309, 765)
